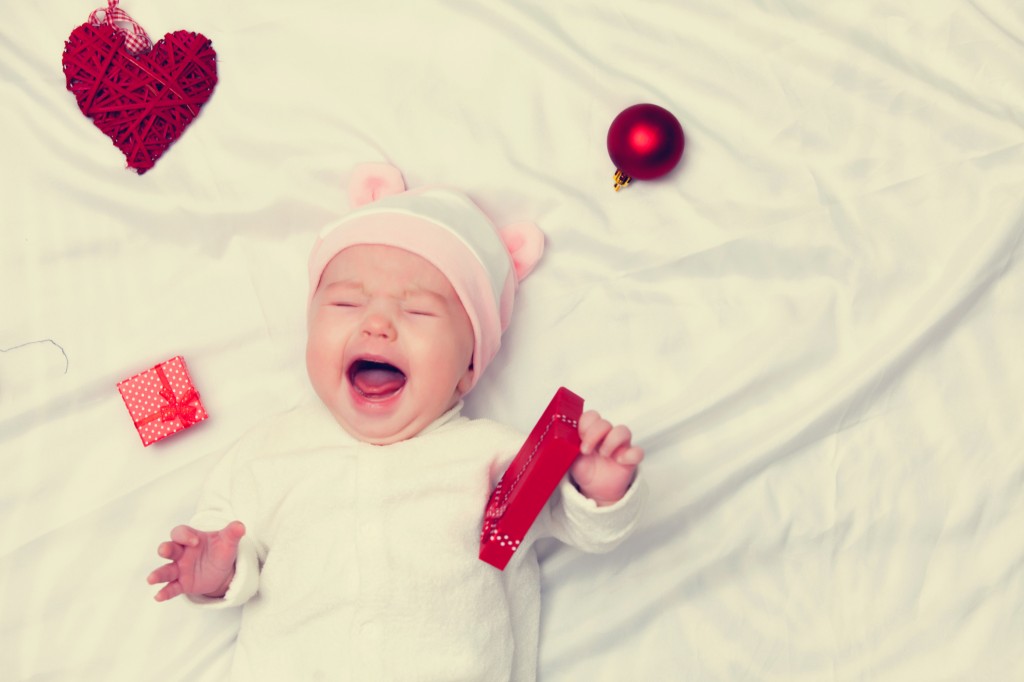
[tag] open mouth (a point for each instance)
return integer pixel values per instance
(375, 380)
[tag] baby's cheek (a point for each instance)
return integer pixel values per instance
(321, 360)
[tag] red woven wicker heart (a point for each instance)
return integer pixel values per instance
(142, 102)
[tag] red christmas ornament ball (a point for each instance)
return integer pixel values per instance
(645, 142)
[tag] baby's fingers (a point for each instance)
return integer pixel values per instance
(185, 535)
(593, 430)
(164, 574)
(170, 550)
(170, 591)
(618, 437)
(631, 456)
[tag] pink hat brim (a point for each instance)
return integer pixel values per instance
(442, 249)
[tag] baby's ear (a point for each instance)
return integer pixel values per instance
(525, 243)
(371, 181)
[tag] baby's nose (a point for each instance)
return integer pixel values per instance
(377, 324)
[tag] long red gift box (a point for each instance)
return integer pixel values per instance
(531, 478)
(162, 400)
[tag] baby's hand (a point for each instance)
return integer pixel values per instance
(607, 462)
(201, 562)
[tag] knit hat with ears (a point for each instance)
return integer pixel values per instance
(483, 264)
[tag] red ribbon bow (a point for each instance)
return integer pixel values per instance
(136, 39)
(179, 409)
(176, 408)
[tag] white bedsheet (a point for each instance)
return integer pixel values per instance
(814, 325)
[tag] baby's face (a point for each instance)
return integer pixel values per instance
(390, 345)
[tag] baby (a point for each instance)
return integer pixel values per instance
(362, 509)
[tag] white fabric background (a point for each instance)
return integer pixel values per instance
(813, 325)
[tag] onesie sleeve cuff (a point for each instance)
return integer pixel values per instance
(606, 526)
(243, 586)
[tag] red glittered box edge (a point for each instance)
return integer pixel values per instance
(558, 427)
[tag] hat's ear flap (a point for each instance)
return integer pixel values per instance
(525, 243)
(371, 181)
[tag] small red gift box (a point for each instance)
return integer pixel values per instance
(531, 478)
(162, 400)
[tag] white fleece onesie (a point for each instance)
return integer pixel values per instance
(360, 561)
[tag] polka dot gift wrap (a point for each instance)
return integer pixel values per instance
(162, 400)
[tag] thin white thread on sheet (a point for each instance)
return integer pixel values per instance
(67, 362)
